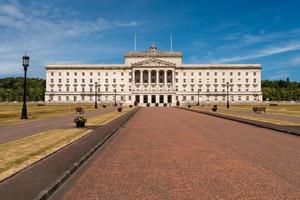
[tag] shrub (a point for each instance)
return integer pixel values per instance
(214, 108)
(130, 106)
(156, 104)
(80, 121)
(119, 109)
(104, 106)
(165, 104)
(148, 104)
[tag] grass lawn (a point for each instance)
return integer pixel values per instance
(11, 113)
(18, 154)
(106, 117)
(290, 110)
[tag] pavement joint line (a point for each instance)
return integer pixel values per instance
(245, 121)
(10, 176)
(45, 194)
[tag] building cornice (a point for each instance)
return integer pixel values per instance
(140, 64)
(219, 66)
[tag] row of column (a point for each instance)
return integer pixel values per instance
(153, 76)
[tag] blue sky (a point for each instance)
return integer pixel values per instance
(95, 31)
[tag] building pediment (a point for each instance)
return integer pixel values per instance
(153, 62)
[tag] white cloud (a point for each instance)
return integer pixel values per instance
(44, 32)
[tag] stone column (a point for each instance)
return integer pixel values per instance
(133, 77)
(149, 77)
(157, 77)
(165, 77)
(141, 76)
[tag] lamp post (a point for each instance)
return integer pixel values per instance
(115, 90)
(198, 97)
(25, 65)
(227, 93)
(96, 105)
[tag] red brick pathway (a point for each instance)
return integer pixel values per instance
(167, 153)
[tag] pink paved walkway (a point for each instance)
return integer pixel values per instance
(167, 153)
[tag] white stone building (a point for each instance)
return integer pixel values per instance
(153, 77)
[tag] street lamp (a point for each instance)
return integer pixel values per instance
(198, 97)
(25, 65)
(96, 106)
(115, 90)
(227, 86)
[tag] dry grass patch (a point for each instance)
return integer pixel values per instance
(107, 117)
(11, 113)
(263, 119)
(18, 154)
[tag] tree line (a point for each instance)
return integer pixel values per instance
(11, 89)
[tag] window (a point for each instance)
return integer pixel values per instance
(98, 73)
(254, 73)
(83, 74)
(216, 80)
(184, 74)
(122, 73)
(207, 73)
(91, 80)
(67, 88)
(223, 73)
(75, 73)
(67, 98)
(114, 73)
(254, 80)
(247, 80)
(68, 73)
(192, 98)
(106, 73)
(192, 80)
(199, 73)
(231, 73)
(91, 73)
(184, 80)
(83, 80)
(83, 89)
(223, 80)
(231, 80)
(59, 80)
(247, 73)
(59, 73)
(176, 80)
(52, 80)
(59, 98)
(75, 80)
(67, 80)
(106, 80)
(239, 73)
(247, 98)
(75, 89)
(52, 74)
(192, 73)
(216, 73)
(114, 80)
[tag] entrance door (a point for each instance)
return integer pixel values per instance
(169, 98)
(137, 98)
(145, 99)
(161, 98)
(153, 99)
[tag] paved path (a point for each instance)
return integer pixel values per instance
(167, 153)
(12, 132)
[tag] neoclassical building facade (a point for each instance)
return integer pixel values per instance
(153, 76)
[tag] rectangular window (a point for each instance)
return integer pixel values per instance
(83, 74)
